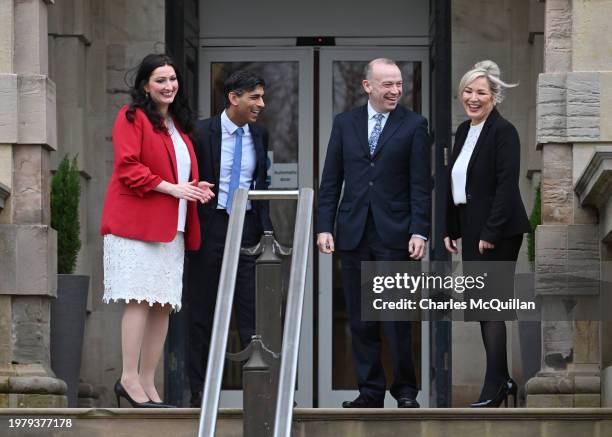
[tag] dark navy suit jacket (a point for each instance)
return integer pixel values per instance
(207, 144)
(394, 183)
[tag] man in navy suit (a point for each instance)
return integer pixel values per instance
(381, 152)
(231, 151)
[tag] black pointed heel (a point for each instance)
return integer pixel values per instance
(509, 387)
(512, 390)
(121, 392)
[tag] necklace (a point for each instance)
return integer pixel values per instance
(170, 125)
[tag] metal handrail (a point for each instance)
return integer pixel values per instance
(223, 312)
(293, 316)
(225, 294)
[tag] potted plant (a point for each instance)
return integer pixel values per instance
(69, 309)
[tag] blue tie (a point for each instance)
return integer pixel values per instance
(236, 166)
(373, 140)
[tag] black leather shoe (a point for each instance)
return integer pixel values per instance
(407, 403)
(121, 392)
(362, 402)
(196, 400)
(162, 405)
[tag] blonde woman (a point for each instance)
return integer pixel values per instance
(485, 210)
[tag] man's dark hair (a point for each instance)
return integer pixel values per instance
(239, 82)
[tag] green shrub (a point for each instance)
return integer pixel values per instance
(65, 195)
(535, 219)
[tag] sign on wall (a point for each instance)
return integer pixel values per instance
(282, 176)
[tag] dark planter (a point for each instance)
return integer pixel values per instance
(530, 328)
(68, 313)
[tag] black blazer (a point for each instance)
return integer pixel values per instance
(207, 144)
(494, 208)
(395, 183)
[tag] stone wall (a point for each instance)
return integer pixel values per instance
(573, 95)
(27, 242)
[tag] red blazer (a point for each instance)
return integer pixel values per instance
(143, 158)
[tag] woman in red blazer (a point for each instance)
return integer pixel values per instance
(149, 219)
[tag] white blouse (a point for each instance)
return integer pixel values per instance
(183, 164)
(459, 172)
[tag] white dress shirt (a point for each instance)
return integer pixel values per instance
(183, 166)
(249, 160)
(459, 173)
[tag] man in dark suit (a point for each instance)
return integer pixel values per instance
(380, 152)
(231, 151)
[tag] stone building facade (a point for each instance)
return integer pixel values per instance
(574, 132)
(63, 71)
(28, 135)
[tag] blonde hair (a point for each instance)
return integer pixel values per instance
(490, 70)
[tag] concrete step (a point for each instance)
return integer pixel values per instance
(314, 422)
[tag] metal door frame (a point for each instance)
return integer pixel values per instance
(304, 56)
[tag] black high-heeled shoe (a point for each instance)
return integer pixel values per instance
(509, 387)
(163, 405)
(121, 392)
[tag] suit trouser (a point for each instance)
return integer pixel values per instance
(365, 335)
(202, 283)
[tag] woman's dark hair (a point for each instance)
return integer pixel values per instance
(179, 108)
(239, 82)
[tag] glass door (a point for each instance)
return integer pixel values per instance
(340, 76)
(288, 118)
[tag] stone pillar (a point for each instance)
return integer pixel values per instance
(571, 127)
(27, 242)
(70, 37)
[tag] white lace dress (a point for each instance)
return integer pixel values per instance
(148, 271)
(143, 271)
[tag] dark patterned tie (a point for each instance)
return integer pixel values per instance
(373, 140)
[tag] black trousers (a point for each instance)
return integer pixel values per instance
(201, 295)
(366, 339)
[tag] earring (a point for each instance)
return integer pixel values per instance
(147, 94)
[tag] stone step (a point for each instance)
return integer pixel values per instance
(314, 422)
